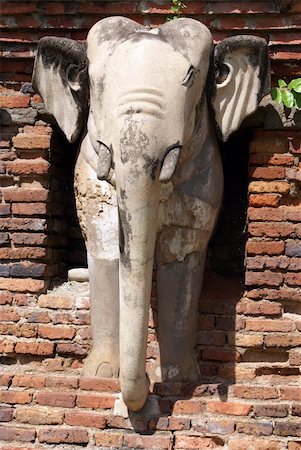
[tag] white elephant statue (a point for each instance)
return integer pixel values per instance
(147, 107)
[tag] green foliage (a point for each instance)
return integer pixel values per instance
(288, 94)
(177, 9)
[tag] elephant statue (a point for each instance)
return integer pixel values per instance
(146, 106)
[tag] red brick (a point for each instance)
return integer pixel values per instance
(54, 435)
(5, 379)
(290, 393)
(85, 419)
(22, 285)
(213, 425)
(29, 381)
(235, 409)
(184, 407)
(178, 423)
(265, 247)
(282, 340)
(267, 173)
(6, 414)
(268, 325)
(9, 314)
(190, 442)
(220, 355)
(25, 195)
(29, 209)
(271, 410)
(15, 397)
(292, 213)
(56, 332)
(40, 416)
(264, 307)
(18, 434)
(109, 439)
(244, 443)
(37, 130)
(101, 401)
(12, 224)
(37, 166)
(66, 400)
(292, 279)
(4, 210)
(288, 428)
(35, 348)
(294, 445)
(6, 298)
(256, 428)
(29, 238)
(99, 384)
(67, 382)
(29, 141)
(258, 392)
(296, 410)
(12, 8)
(160, 441)
(273, 214)
(263, 278)
(55, 302)
(271, 229)
(259, 200)
(17, 101)
(272, 159)
(72, 349)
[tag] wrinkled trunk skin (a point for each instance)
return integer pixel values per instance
(138, 210)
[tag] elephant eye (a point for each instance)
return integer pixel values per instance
(222, 74)
(188, 80)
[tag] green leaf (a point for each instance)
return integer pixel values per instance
(276, 95)
(297, 98)
(288, 98)
(295, 85)
(282, 83)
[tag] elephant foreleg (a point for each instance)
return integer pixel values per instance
(103, 360)
(179, 289)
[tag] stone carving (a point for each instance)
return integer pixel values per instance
(148, 172)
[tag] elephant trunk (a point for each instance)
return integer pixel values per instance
(138, 202)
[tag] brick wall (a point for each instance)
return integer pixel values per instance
(249, 337)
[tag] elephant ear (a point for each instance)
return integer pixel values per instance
(240, 77)
(60, 77)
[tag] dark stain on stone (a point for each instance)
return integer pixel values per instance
(125, 234)
(133, 140)
(151, 165)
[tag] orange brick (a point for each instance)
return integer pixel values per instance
(25, 141)
(55, 302)
(258, 392)
(265, 247)
(85, 419)
(15, 397)
(99, 384)
(278, 187)
(259, 200)
(29, 381)
(184, 407)
(22, 284)
(187, 442)
(268, 325)
(62, 399)
(99, 401)
(235, 409)
(40, 416)
(244, 443)
(56, 332)
(53, 435)
(35, 348)
(37, 166)
(109, 439)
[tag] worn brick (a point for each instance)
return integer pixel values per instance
(293, 248)
(25, 195)
(263, 278)
(29, 381)
(271, 410)
(10, 433)
(71, 349)
(29, 209)
(14, 101)
(29, 238)
(40, 416)
(21, 224)
(256, 428)
(109, 439)
(101, 401)
(257, 392)
(67, 382)
(264, 307)
(193, 442)
(243, 443)
(269, 145)
(6, 414)
(213, 425)
(235, 409)
(22, 285)
(55, 302)
(270, 229)
(282, 340)
(31, 141)
(267, 173)
(160, 441)
(265, 247)
(37, 166)
(54, 435)
(292, 279)
(63, 399)
(268, 325)
(278, 187)
(35, 348)
(56, 332)
(184, 407)
(85, 419)
(15, 397)
(99, 384)
(288, 428)
(290, 393)
(6, 346)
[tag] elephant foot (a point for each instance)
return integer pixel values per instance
(186, 371)
(135, 392)
(102, 367)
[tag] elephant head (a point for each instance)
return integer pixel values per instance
(137, 93)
